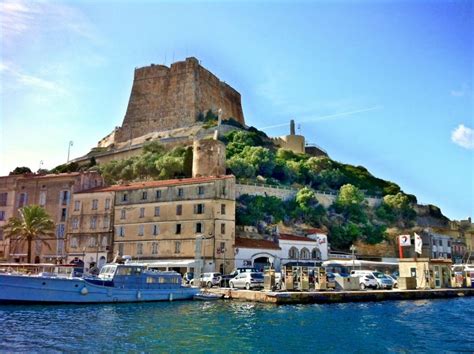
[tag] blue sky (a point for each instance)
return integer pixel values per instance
(404, 68)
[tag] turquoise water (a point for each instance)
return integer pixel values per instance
(225, 326)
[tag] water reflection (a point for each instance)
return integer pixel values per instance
(228, 326)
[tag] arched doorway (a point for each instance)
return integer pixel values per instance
(261, 262)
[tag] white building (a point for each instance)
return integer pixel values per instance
(288, 248)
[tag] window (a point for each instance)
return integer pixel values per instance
(93, 222)
(74, 242)
(75, 223)
(121, 231)
(293, 253)
(177, 247)
(449, 243)
(157, 211)
(42, 198)
(199, 227)
(95, 204)
(23, 200)
(315, 253)
(125, 197)
(1, 234)
(77, 205)
(200, 190)
(64, 197)
(60, 230)
(2, 215)
(223, 209)
(222, 228)
(304, 253)
(179, 209)
(155, 230)
(180, 192)
(92, 241)
(154, 248)
(222, 248)
(144, 195)
(178, 229)
(140, 248)
(105, 241)
(120, 249)
(122, 214)
(107, 204)
(106, 222)
(3, 199)
(158, 194)
(199, 209)
(141, 230)
(142, 212)
(63, 214)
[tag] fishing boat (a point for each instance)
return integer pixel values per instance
(115, 283)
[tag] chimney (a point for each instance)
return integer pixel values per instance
(292, 127)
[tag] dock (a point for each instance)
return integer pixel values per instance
(325, 297)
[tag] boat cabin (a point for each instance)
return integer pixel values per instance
(136, 276)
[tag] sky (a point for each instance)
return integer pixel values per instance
(383, 84)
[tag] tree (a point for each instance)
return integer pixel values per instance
(34, 224)
(240, 167)
(20, 170)
(349, 195)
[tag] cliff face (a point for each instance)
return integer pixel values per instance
(165, 98)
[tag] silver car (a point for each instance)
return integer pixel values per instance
(247, 281)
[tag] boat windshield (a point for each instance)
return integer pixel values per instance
(107, 272)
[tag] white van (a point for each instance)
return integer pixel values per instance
(382, 281)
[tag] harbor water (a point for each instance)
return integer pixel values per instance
(230, 326)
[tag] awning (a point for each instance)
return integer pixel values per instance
(178, 263)
(357, 263)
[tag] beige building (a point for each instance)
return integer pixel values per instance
(7, 209)
(158, 221)
(90, 228)
(54, 193)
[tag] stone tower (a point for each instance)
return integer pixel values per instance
(165, 98)
(208, 158)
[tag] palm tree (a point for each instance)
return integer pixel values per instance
(33, 224)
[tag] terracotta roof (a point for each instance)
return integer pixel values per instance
(315, 231)
(155, 184)
(251, 243)
(295, 238)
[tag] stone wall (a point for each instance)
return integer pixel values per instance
(165, 98)
(325, 199)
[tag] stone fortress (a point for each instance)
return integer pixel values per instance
(167, 104)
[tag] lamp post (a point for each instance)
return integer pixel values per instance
(69, 149)
(353, 249)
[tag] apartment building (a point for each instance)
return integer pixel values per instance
(158, 221)
(7, 210)
(90, 227)
(53, 192)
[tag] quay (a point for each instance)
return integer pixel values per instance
(324, 297)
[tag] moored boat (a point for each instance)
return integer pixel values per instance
(115, 283)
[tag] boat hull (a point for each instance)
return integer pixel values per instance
(36, 289)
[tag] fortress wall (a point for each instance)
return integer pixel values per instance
(165, 98)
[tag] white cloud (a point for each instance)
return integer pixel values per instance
(18, 17)
(30, 81)
(463, 136)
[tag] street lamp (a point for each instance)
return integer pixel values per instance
(69, 149)
(353, 249)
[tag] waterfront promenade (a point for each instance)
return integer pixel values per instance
(322, 297)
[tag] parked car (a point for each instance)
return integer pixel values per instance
(394, 280)
(247, 281)
(209, 279)
(366, 281)
(226, 278)
(187, 277)
(382, 281)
